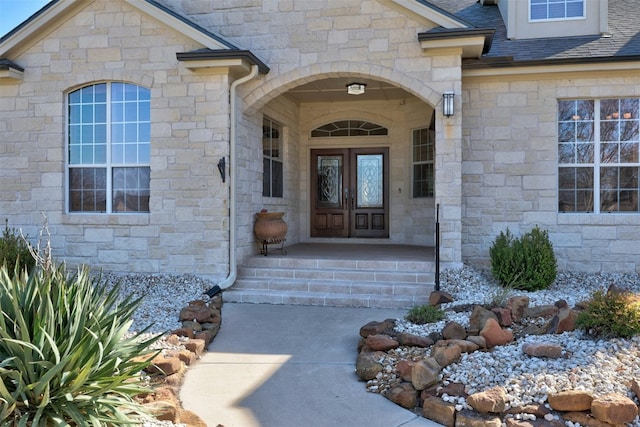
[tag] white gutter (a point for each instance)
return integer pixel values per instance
(233, 265)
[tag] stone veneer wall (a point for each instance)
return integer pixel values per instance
(510, 171)
(187, 229)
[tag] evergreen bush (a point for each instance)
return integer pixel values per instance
(614, 314)
(14, 251)
(423, 314)
(64, 358)
(527, 263)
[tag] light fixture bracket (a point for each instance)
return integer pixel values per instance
(356, 88)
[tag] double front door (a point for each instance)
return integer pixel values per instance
(349, 192)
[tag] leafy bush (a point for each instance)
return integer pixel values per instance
(14, 252)
(63, 358)
(527, 263)
(424, 314)
(614, 314)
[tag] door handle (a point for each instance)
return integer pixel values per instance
(352, 200)
(346, 198)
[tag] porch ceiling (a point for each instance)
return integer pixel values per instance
(335, 90)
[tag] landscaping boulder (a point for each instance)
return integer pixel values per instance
(614, 408)
(404, 395)
(473, 419)
(411, 340)
(492, 400)
(494, 334)
(549, 350)
(374, 328)
(425, 373)
(570, 401)
(440, 297)
(446, 355)
(453, 330)
(381, 342)
(478, 318)
(518, 305)
(435, 409)
(368, 365)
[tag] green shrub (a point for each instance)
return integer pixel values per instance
(611, 315)
(63, 358)
(14, 252)
(424, 314)
(527, 263)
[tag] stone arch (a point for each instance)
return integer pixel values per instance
(98, 76)
(259, 93)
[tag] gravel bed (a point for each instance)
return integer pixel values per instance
(598, 366)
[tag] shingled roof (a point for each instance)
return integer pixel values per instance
(622, 44)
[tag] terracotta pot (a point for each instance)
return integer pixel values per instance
(270, 227)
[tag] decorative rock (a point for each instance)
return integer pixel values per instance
(435, 409)
(190, 324)
(381, 342)
(552, 351)
(404, 368)
(445, 356)
(494, 334)
(190, 419)
(163, 410)
(512, 422)
(404, 395)
(478, 340)
(412, 340)
(164, 365)
(368, 365)
(572, 400)
(472, 419)
(453, 389)
(491, 400)
(478, 318)
(187, 357)
(534, 330)
(635, 387)
(440, 297)
(584, 419)
(453, 330)
(199, 312)
(541, 311)
(614, 408)
(466, 346)
(195, 346)
(518, 305)
(425, 373)
(564, 321)
(540, 411)
(504, 316)
(561, 304)
(184, 332)
(206, 336)
(375, 328)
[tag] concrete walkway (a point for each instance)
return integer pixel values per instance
(289, 366)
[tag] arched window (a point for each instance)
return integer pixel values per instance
(108, 148)
(349, 128)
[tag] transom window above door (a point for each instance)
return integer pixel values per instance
(343, 128)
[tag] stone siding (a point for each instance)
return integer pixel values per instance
(510, 171)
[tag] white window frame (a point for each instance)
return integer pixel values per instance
(597, 165)
(563, 18)
(109, 165)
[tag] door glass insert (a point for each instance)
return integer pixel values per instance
(329, 181)
(369, 181)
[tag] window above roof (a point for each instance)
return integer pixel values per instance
(542, 10)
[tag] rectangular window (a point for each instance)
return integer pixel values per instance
(109, 139)
(423, 162)
(599, 155)
(272, 183)
(544, 10)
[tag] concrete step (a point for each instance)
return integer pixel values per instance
(322, 299)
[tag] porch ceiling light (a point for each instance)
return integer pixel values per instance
(356, 88)
(447, 103)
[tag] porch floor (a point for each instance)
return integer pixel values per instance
(337, 274)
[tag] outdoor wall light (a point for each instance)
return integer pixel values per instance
(447, 103)
(356, 88)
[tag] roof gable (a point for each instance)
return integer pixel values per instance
(55, 13)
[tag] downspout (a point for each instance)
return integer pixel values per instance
(233, 266)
